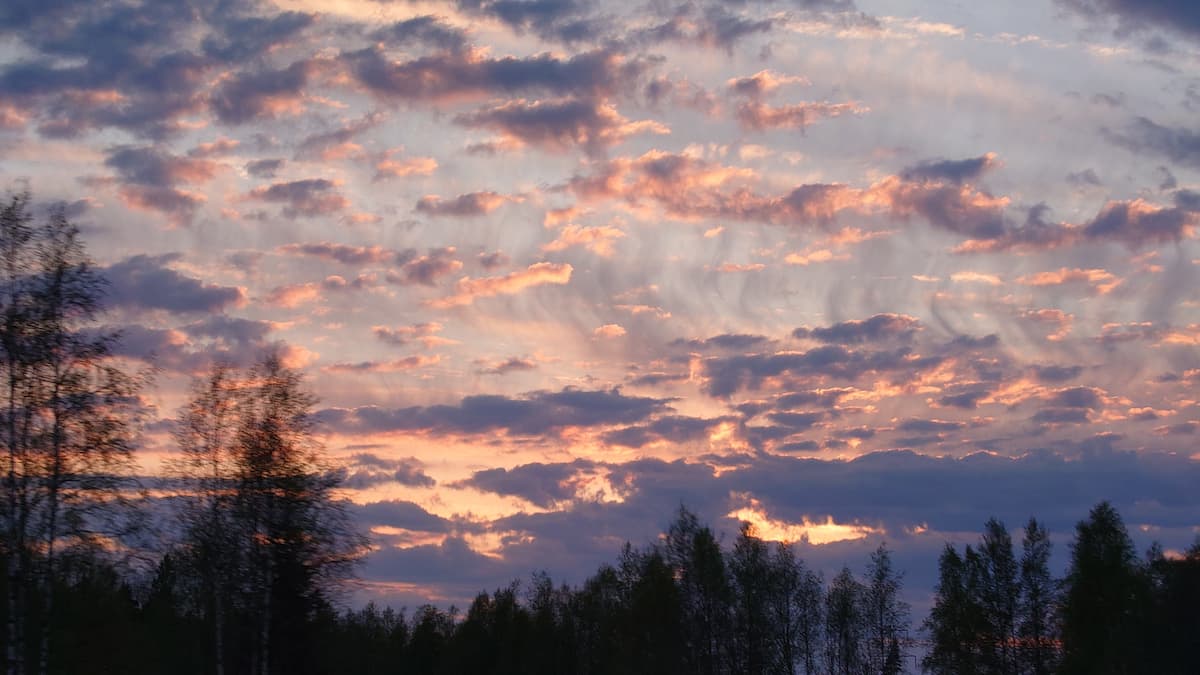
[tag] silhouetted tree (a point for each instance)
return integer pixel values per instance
(894, 663)
(699, 565)
(810, 618)
(1105, 589)
(953, 621)
(67, 414)
(206, 435)
(653, 639)
(886, 613)
(999, 599)
(845, 625)
(1172, 617)
(300, 543)
(1035, 617)
(750, 568)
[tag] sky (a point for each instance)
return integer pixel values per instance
(854, 271)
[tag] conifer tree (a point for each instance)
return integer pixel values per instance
(1035, 624)
(1105, 589)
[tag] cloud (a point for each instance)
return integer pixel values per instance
(510, 365)
(342, 253)
(536, 413)
(467, 205)
(264, 168)
(609, 331)
(402, 336)
(762, 83)
(388, 166)
(957, 171)
(401, 514)
(730, 341)
(262, 95)
(407, 363)
(365, 470)
(760, 116)
(426, 29)
(149, 176)
(1181, 16)
(338, 143)
(726, 375)
(147, 282)
(240, 38)
(471, 74)
(877, 328)
(598, 240)
(425, 269)
(290, 296)
(542, 485)
(1054, 373)
(303, 198)
(558, 124)
(1102, 281)
(467, 290)
(928, 426)
(1137, 223)
(714, 27)
(231, 331)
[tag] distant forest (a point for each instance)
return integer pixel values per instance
(261, 549)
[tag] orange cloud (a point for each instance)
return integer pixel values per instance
(468, 289)
(1102, 280)
(609, 330)
(598, 240)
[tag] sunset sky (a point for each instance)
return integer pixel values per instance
(852, 270)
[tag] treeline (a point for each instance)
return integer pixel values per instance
(254, 550)
(680, 606)
(1113, 612)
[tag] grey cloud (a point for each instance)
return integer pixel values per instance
(967, 400)
(241, 38)
(444, 75)
(725, 375)
(342, 253)
(730, 341)
(1182, 16)
(229, 329)
(1061, 416)
(462, 206)
(427, 29)
(264, 168)
(303, 198)
(1181, 146)
(146, 282)
(317, 145)
(368, 470)
(543, 485)
(876, 328)
(1077, 397)
(1056, 373)
(537, 413)
(673, 428)
(401, 514)
(1136, 227)
(251, 96)
(956, 171)
(510, 365)
(553, 124)
(154, 166)
(424, 269)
